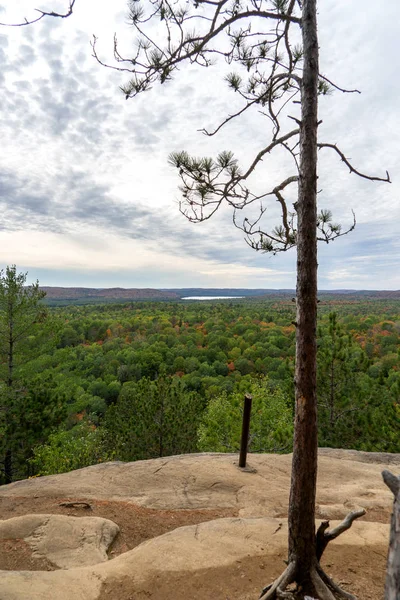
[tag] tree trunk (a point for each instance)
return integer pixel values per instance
(304, 465)
(8, 466)
(392, 586)
(332, 392)
(8, 470)
(10, 323)
(10, 359)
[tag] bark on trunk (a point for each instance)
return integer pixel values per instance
(392, 586)
(304, 466)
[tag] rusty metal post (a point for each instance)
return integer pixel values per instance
(245, 430)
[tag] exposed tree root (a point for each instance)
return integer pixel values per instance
(334, 587)
(320, 585)
(320, 589)
(276, 589)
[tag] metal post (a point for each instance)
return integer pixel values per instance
(245, 430)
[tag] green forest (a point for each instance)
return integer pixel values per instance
(139, 380)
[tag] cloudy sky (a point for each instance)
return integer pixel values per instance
(87, 196)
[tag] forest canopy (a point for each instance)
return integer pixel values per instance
(188, 367)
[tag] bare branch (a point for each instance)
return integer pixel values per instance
(268, 149)
(345, 524)
(391, 481)
(42, 14)
(352, 169)
(277, 191)
(76, 504)
(229, 118)
(337, 87)
(324, 537)
(286, 35)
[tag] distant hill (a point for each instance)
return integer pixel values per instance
(362, 294)
(184, 292)
(76, 295)
(282, 293)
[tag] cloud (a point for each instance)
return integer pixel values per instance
(70, 201)
(82, 163)
(121, 259)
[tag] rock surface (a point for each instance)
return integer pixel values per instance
(209, 545)
(194, 555)
(66, 542)
(346, 479)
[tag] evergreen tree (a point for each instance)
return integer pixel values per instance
(338, 367)
(354, 410)
(39, 409)
(21, 317)
(152, 419)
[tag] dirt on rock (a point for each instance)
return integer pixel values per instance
(245, 579)
(136, 523)
(17, 555)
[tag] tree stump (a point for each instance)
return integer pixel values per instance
(392, 585)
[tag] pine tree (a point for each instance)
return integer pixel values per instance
(21, 317)
(271, 71)
(152, 419)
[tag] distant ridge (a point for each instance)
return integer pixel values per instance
(78, 293)
(81, 295)
(282, 293)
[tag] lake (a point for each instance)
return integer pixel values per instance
(212, 297)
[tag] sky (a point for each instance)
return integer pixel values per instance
(88, 198)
